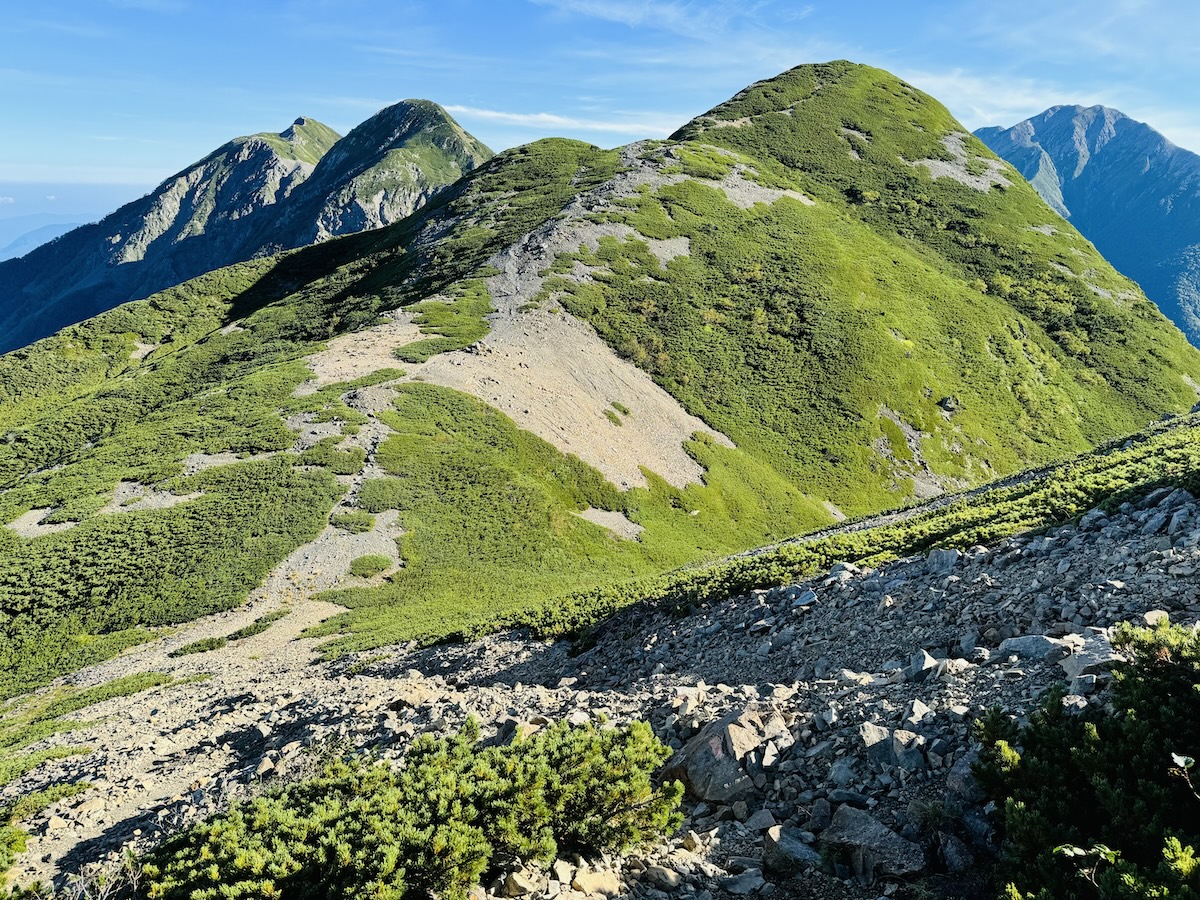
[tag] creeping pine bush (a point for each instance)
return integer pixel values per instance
(453, 812)
(1106, 805)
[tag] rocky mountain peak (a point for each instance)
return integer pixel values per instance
(1129, 189)
(315, 183)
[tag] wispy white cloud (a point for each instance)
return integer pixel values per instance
(978, 100)
(641, 124)
(6, 200)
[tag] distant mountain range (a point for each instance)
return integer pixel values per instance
(253, 196)
(34, 238)
(1132, 192)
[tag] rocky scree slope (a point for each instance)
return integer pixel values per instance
(1127, 188)
(822, 727)
(253, 196)
(821, 298)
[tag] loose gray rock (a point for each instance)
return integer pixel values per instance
(784, 851)
(874, 848)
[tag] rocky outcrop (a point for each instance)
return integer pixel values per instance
(823, 729)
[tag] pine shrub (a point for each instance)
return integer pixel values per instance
(1104, 805)
(451, 814)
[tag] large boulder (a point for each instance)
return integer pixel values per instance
(873, 848)
(1093, 655)
(713, 764)
(785, 852)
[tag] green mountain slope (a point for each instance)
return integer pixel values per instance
(573, 368)
(254, 196)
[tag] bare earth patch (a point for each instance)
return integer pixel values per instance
(198, 462)
(743, 192)
(131, 496)
(30, 524)
(613, 521)
(957, 168)
(355, 355)
(141, 351)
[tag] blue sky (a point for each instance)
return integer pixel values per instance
(118, 94)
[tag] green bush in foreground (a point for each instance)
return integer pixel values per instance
(1103, 805)
(453, 812)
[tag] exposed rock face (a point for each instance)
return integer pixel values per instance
(254, 196)
(1132, 192)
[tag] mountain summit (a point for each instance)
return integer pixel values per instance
(253, 196)
(1131, 191)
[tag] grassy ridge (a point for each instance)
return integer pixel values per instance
(490, 522)
(900, 327)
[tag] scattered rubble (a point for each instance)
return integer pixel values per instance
(823, 729)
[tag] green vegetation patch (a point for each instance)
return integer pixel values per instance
(453, 813)
(31, 719)
(459, 323)
(369, 565)
(1162, 455)
(204, 645)
(259, 625)
(327, 454)
(355, 521)
(1105, 804)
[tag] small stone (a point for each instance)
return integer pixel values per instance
(591, 882)
(956, 854)
(877, 740)
(1034, 646)
(942, 562)
(854, 798)
(785, 850)
(518, 884)
(563, 871)
(265, 768)
(661, 876)
(921, 667)
(748, 882)
(760, 821)
(917, 712)
(1156, 617)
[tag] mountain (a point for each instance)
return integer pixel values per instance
(569, 372)
(1127, 188)
(33, 239)
(253, 196)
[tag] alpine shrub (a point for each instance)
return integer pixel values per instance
(453, 812)
(1104, 805)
